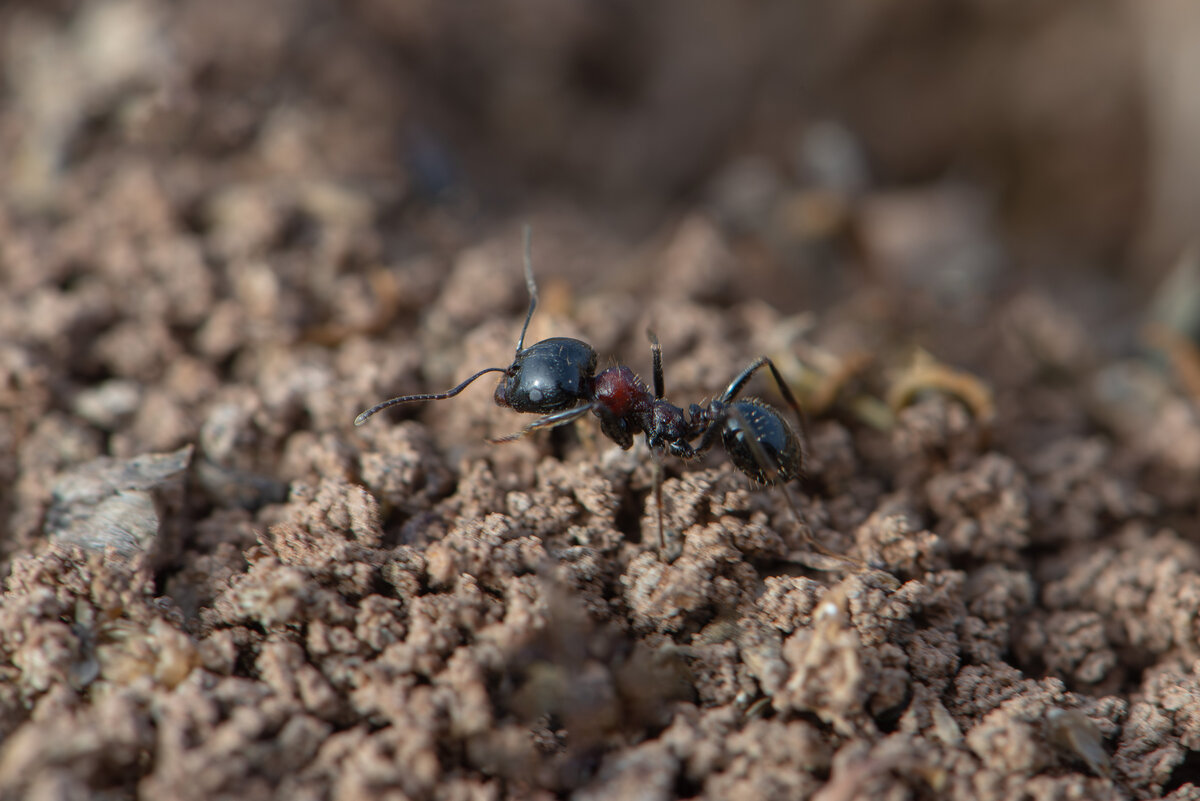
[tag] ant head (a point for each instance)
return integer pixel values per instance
(548, 376)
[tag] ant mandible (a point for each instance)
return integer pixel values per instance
(557, 379)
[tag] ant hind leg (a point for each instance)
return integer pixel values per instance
(739, 382)
(810, 542)
(771, 468)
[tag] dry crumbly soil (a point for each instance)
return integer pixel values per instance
(215, 586)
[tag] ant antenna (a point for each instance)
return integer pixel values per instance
(379, 407)
(533, 300)
(530, 284)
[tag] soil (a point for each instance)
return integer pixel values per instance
(226, 228)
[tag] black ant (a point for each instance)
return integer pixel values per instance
(557, 379)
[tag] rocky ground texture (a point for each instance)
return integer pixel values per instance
(227, 228)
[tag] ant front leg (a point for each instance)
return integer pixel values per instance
(549, 421)
(677, 445)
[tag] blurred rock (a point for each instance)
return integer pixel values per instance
(124, 505)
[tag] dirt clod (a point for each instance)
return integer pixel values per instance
(226, 228)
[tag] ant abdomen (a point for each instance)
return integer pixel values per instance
(760, 443)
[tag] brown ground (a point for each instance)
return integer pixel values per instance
(227, 227)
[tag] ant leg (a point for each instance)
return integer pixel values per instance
(549, 421)
(810, 540)
(379, 407)
(676, 544)
(656, 350)
(658, 474)
(736, 385)
(656, 353)
(771, 468)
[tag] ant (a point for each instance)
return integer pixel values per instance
(557, 378)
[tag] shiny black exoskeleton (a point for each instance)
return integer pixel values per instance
(770, 434)
(549, 376)
(557, 379)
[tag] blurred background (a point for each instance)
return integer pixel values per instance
(933, 157)
(1069, 126)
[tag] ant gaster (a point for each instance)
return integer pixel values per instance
(557, 379)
